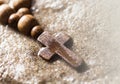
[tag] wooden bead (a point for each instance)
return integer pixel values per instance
(36, 31)
(1, 2)
(23, 11)
(14, 18)
(5, 12)
(26, 23)
(17, 4)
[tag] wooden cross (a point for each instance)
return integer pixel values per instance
(55, 45)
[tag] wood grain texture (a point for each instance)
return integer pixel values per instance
(56, 46)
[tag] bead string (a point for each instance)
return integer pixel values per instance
(17, 14)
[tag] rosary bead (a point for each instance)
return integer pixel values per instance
(17, 4)
(23, 11)
(1, 2)
(36, 31)
(14, 18)
(5, 12)
(26, 23)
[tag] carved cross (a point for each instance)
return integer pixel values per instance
(55, 45)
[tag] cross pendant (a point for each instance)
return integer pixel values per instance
(55, 45)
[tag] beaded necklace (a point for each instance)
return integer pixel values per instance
(19, 16)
